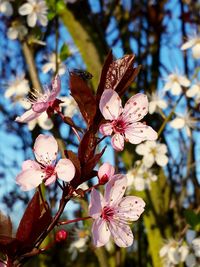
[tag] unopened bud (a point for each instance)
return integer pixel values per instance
(105, 172)
(61, 235)
(104, 179)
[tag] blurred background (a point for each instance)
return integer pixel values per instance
(40, 38)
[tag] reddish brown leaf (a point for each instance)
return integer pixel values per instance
(9, 245)
(87, 147)
(84, 98)
(5, 225)
(70, 122)
(72, 156)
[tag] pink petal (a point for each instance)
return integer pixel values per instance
(45, 149)
(40, 107)
(56, 85)
(96, 204)
(121, 233)
(28, 116)
(100, 233)
(106, 128)
(29, 179)
(136, 108)
(50, 180)
(115, 189)
(130, 208)
(117, 142)
(138, 132)
(110, 105)
(65, 170)
(106, 169)
(30, 164)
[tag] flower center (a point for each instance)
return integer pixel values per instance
(119, 126)
(107, 213)
(49, 171)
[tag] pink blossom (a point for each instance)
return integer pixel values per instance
(113, 212)
(124, 122)
(44, 169)
(42, 102)
(105, 172)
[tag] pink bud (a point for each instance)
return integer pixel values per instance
(61, 235)
(106, 171)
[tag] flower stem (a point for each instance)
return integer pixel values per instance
(72, 221)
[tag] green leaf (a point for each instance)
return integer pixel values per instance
(64, 52)
(192, 219)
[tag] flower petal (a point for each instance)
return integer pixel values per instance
(25, 9)
(45, 149)
(40, 107)
(196, 51)
(130, 208)
(27, 116)
(44, 121)
(136, 108)
(96, 204)
(30, 164)
(100, 233)
(161, 160)
(117, 142)
(148, 160)
(106, 128)
(6, 8)
(188, 44)
(56, 87)
(177, 123)
(106, 169)
(65, 170)
(110, 105)
(115, 189)
(50, 180)
(138, 132)
(32, 19)
(121, 233)
(29, 179)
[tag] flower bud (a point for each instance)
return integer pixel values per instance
(105, 172)
(61, 235)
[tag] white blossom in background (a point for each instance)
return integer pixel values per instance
(156, 101)
(18, 87)
(70, 106)
(184, 121)
(36, 11)
(17, 31)
(51, 65)
(43, 121)
(175, 82)
(194, 44)
(194, 92)
(173, 253)
(196, 246)
(6, 8)
(79, 245)
(190, 260)
(152, 152)
(140, 177)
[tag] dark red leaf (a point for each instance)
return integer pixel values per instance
(70, 122)
(84, 98)
(87, 169)
(72, 156)
(9, 245)
(87, 147)
(5, 225)
(121, 74)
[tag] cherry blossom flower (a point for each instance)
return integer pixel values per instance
(6, 8)
(70, 106)
(17, 31)
(175, 82)
(113, 212)
(184, 121)
(35, 10)
(124, 122)
(18, 87)
(196, 246)
(153, 152)
(140, 177)
(79, 245)
(105, 172)
(44, 169)
(41, 102)
(173, 253)
(51, 65)
(194, 92)
(194, 44)
(156, 102)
